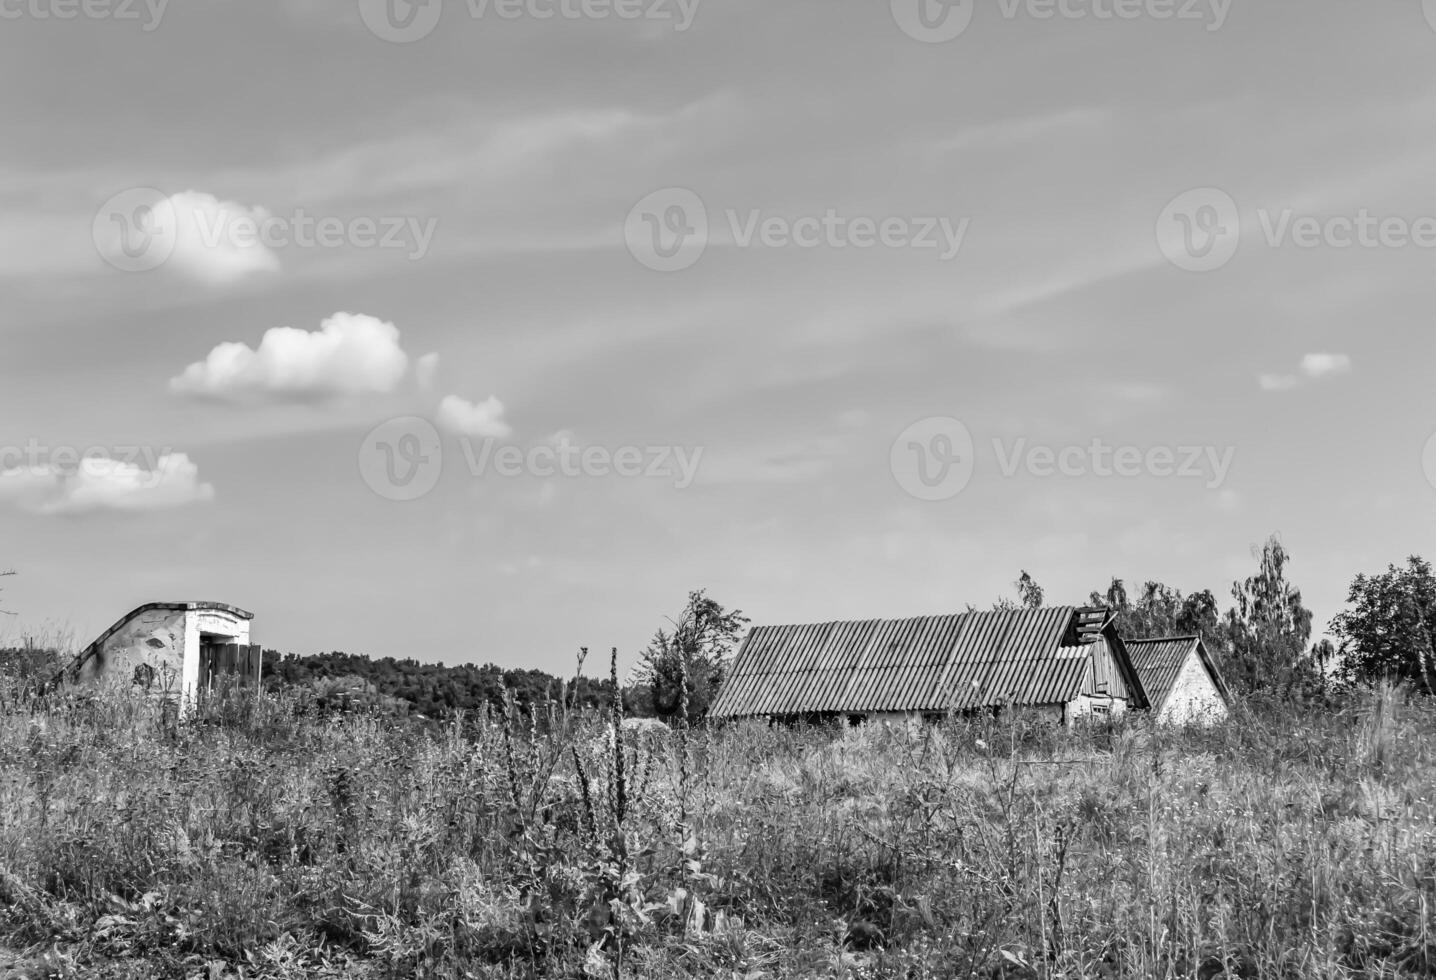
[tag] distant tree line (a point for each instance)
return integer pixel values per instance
(433, 690)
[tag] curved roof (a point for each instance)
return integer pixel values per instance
(223, 607)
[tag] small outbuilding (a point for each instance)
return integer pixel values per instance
(175, 649)
(1181, 679)
(1063, 663)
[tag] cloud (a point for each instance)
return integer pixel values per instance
(484, 420)
(350, 354)
(213, 241)
(1277, 382)
(1323, 365)
(1025, 129)
(105, 484)
(1314, 367)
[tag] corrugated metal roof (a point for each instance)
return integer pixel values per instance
(1158, 663)
(931, 663)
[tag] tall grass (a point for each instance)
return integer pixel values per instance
(264, 836)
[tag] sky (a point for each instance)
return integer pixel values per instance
(483, 331)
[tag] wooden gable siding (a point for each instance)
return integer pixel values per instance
(1104, 678)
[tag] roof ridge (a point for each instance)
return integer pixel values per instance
(909, 619)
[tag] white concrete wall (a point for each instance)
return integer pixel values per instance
(156, 638)
(1082, 706)
(1194, 697)
(216, 622)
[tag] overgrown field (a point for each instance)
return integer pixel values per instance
(267, 841)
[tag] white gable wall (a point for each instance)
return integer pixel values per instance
(1194, 697)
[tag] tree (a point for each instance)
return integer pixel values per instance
(1391, 629)
(1029, 596)
(697, 648)
(1162, 611)
(1029, 593)
(1267, 632)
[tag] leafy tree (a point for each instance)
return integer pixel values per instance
(1029, 593)
(1267, 632)
(1161, 611)
(1029, 596)
(697, 648)
(1391, 629)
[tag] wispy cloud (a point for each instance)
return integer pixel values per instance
(1318, 366)
(1005, 133)
(1277, 382)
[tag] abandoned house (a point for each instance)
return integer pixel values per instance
(176, 649)
(1180, 679)
(1064, 663)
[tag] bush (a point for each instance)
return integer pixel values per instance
(293, 842)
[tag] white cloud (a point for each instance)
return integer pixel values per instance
(213, 241)
(1323, 365)
(350, 354)
(1314, 367)
(101, 483)
(484, 420)
(1277, 382)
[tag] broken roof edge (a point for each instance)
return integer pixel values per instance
(193, 607)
